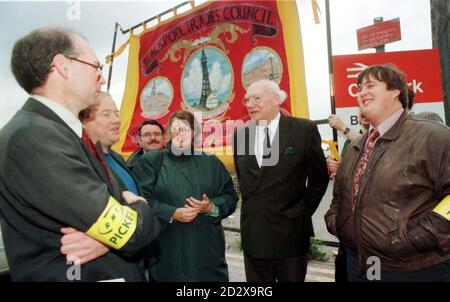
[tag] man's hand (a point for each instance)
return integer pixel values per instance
(77, 246)
(332, 166)
(130, 197)
(186, 214)
(203, 206)
(336, 122)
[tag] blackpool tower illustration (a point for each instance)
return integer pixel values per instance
(206, 86)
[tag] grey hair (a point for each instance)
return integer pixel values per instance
(275, 88)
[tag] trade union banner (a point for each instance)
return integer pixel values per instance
(204, 59)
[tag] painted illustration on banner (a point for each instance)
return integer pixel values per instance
(207, 82)
(156, 98)
(261, 63)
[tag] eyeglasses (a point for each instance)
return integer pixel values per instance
(180, 129)
(149, 134)
(98, 67)
(257, 100)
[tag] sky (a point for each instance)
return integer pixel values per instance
(95, 20)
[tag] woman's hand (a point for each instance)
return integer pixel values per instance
(204, 206)
(186, 214)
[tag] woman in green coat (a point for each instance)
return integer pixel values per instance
(190, 192)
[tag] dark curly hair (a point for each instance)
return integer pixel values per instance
(33, 54)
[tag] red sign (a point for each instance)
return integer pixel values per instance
(379, 34)
(421, 67)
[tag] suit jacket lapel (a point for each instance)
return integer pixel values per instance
(280, 141)
(32, 105)
(244, 148)
(250, 159)
(284, 132)
(35, 106)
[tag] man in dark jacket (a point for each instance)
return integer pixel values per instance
(49, 181)
(102, 125)
(151, 138)
(391, 199)
(283, 175)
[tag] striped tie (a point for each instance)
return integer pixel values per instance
(266, 144)
(363, 163)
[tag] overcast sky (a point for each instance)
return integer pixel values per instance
(96, 21)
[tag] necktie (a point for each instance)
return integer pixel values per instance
(266, 144)
(94, 151)
(363, 163)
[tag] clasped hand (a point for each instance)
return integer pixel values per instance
(192, 208)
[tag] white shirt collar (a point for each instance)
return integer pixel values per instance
(260, 135)
(65, 114)
(273, 125)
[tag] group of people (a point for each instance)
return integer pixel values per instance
(67, 199)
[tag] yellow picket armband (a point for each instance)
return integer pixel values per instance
(443, 208)
(115, 226)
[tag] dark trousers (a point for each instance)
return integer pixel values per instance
(437, 273)
(272, 270)
(340, 265)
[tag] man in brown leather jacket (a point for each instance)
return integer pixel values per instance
(391, 196)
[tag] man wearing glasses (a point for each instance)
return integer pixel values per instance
(283, 175)
(151, 138)
(50, 184)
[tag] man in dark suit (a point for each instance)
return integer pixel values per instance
(282, 175)
(49, 181)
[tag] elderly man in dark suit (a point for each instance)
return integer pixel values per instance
(50, 184)
(282, 175)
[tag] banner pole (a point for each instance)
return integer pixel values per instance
(159, 15)
(112, 57)
(330, 63)
(108, 85)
